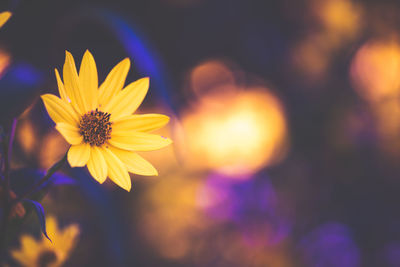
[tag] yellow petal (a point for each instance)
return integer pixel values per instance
(88, 80)
(78, 155)
(114, 81)
(27, 252)
(23, 257)
(134, 162)
(59, 111)
(138, 141)
(51, 227)
(4, 17)
(128, 100)
(117, 170)
(140, 123)
(28, 244)
(72, 86)
(97, 165)
(70, 133)
(69, 237)
(61, 88)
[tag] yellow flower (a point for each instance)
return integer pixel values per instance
(99, 124)
(4, 16)
(34, 253)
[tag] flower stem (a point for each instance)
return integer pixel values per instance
(11, 137)
(45, 178)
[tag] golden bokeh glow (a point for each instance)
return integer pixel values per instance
(26, 135)
(342, 17)
(212, 74)
(52, 149)
(335, 23)
(374, 73)
(175, 221)
(5, 60)
(235, 133)
(375, 70)
(171, 215)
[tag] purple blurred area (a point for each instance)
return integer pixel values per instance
(285, 117)
(330, 245)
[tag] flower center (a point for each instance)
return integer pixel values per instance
(95, 127)
(46, 258)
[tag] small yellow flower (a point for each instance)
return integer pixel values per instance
(34, 253)
(4, 16)
(99, 124)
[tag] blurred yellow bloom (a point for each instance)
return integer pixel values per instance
(34, 253)
(4, 16)
(99, 124)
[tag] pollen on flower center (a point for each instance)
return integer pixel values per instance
(95, 127)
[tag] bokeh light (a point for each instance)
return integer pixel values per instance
(171, 202)
(212, 75)
(374, 75)
(216, 216)
(26, 135)
(333, 24)
(5, 61)
(236, 132)
(53, 148)
(375, 68)
(343, 18)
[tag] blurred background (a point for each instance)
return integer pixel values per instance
(285, 117)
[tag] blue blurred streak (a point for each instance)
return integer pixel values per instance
(26, 74)
(141, 51)
(18, 86)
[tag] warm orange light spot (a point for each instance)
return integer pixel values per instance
(312, 56)
(375, 76)
(52, 148)
(236, 133)
(171, 215)
(375, 70)
(342, 17)
(210, 76)
(5, 60)
(26, 135)
(333, 25)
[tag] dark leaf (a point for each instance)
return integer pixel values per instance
(40, 214)
(23, 179)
